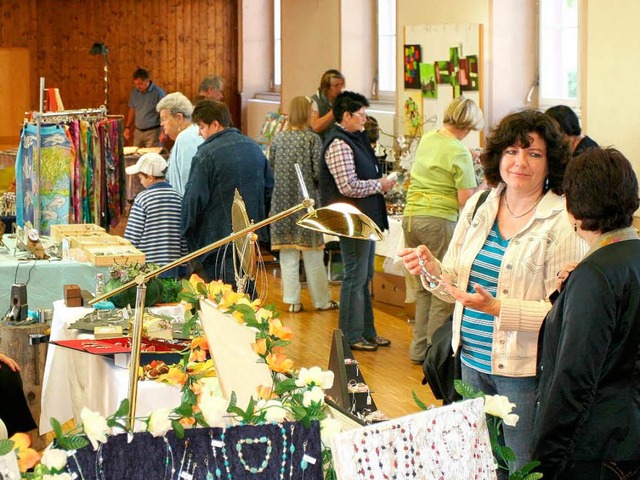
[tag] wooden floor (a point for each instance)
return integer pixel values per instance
(388, 371)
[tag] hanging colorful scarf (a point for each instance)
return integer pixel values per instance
(54, 183)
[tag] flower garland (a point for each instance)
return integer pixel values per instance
(294, 395)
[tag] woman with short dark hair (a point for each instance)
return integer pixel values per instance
(501, 265)
(350, 173)
(587, 423)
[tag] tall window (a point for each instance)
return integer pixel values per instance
(559, 62)
(386, 47)
(277, 46)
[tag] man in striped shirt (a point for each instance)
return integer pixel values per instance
(154, 220)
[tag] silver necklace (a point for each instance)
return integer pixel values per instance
(506, 204)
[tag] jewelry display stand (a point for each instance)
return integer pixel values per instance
(286, 451)
(350, 392)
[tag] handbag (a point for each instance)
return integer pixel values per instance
(441, 366)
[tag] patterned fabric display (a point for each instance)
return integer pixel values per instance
(81, 173)
(56, 156)
(445, 443)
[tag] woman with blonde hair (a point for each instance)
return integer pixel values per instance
(442, 180)
(298, 144)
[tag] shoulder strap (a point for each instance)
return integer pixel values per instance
(481, 199)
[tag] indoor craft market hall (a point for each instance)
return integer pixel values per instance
(276, 239)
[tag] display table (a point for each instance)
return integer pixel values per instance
(45, 279)
(74, 380)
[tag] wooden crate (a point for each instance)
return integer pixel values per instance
(58, 232)
(93, 239)
(105, 256)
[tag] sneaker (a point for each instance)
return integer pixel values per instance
(295, 308)
(363, 345)
(379, 341)
(331, 305)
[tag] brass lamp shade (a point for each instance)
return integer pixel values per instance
(343, 220)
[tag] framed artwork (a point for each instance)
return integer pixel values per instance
(412, 59)
(428, 83)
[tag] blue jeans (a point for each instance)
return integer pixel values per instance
(522, 392)
(355, 317)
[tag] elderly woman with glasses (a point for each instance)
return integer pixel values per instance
(350, 173)
(175, 119)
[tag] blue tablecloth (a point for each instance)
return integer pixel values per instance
(45, 279)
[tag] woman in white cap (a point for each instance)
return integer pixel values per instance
(154, 220)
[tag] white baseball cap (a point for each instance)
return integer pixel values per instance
(150, 163)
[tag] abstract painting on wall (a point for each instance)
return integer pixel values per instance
(429, 86)
(412, 59)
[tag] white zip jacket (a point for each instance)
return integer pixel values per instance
(527, 275)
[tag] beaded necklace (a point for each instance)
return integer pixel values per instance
(215, 444)
(287, 447)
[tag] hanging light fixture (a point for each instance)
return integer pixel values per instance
(99, 48)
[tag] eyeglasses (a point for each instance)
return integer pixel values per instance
(362, 116)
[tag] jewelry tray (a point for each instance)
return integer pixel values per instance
(169, 351)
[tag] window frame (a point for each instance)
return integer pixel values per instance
(379, 94)
(547, 102)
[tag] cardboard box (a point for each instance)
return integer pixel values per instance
(389, 289)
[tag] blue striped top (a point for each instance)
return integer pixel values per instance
(154, 224)
(477, 327)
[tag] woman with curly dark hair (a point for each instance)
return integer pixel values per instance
(588, 418)
(501, 265)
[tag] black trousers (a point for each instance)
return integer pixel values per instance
(14, 410)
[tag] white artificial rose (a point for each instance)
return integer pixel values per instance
(315, 395)
(95, 427)
(54, 459)
(329, 427)
(273, 409)
(213, 409)
(499, 406)
(315, 376)
(159, 422)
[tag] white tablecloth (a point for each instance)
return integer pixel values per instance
(73, 380)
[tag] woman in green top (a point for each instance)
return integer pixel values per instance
(442, 179)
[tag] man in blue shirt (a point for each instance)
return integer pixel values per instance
(143, 119)
(226, 161)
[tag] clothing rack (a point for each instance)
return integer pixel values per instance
(53, 117)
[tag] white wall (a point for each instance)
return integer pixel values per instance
(612, 114)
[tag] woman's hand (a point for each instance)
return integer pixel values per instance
(412, 257)
(10, 362)
(482, 300)
(563, 274)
